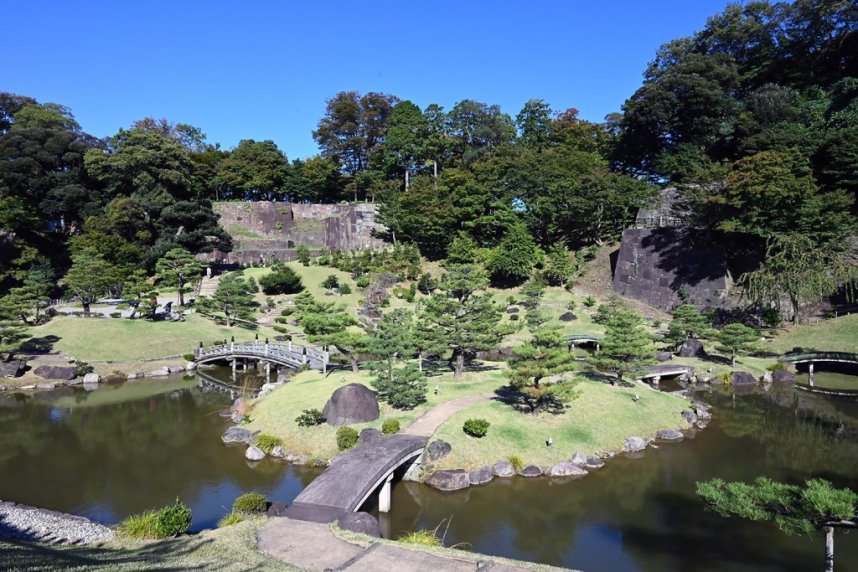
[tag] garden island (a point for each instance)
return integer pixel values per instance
(455, 338)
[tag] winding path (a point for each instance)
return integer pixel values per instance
(429, 422)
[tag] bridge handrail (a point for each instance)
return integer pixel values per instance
(819, 356)
(291, 351)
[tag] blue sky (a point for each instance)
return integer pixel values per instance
(263, 69)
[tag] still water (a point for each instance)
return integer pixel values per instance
(122, 449)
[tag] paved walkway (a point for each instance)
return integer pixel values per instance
(427, 423)
(313, 546)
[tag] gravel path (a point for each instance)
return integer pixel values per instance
(21, 522)
(432, 419)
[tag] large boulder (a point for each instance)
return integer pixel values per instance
(55, 372)
(254, 454)
(594, 463)
(92, 378)
(691, 348)
(351, 404)
(663, 356)
(454, 480)
(689, 416)
(503, 353)
(503, 469)
(567, 469)
(567, 317)
(438, 449)
(237, 435)
(14, 368)
(579, 458)
(633, 444)
(742, 378)
(783, 376)
(481, 476)
(276, 508)
(669, 435)
(361, 522)
(531, 471)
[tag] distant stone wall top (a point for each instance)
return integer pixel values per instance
(268, 230)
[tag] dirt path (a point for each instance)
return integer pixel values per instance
(427, 423)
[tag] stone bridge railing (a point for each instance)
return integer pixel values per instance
(285, 353)
(802, 357)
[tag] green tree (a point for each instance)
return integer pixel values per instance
(331, 282)
(403, 142)
(543, 356)
(281, 280)
(736, 338)
(816, 506)
(534, 124)
(90, 277)
(254, 170)
(462, 319)
(687, 322)
(12, 329)
(178, 267)
(558, 268)
(234, 297)
(627, 347)
(511, 262)
(402, 386)
(329, 323)
(303, 254)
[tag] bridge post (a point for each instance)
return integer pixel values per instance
(267, 371)
(384, 495)
(810, 373)
(289, 345)
(233, 366)
(656, 380)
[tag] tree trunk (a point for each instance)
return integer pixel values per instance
(351, 359)
(181, 293)
(228, 319)
(85, 303)
(419, 361)
(733, 359)
(829, 548)
(406, 179)
(458, 360)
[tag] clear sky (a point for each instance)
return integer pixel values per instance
(263, 69)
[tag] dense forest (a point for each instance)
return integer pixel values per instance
(754, 119)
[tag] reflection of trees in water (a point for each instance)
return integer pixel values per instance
(128, 456)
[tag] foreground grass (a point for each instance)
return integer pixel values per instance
(232, 548)
(833, 335)
(598, 421)
(276, 412)
(118, 339)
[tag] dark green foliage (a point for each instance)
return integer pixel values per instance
(687, 322)
(627, 347)
(173, 520)
(390, 426)
(189, 357)
(345, 289)
(511, 262)
(736, 338)
(233, 297)
(589, 301)
(281, 280)
(362, 281)
(178, 267)
(426, 284)
(310, 418)
(476, 427)
(249, 503)
(331, 282)
(303, 255)
(402, 386)
(347, 438)
(558, 267)
(266, 443)
(81, 368)
(543, 356)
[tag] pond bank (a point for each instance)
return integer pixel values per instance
(31, 524)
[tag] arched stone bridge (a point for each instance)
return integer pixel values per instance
(811, 358)
(282, 353)
(354, 476)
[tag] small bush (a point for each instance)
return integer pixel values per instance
(281, 320)
(281, 280)
(189, 357)
(287, 312)
(362, 281)
(303, 255)
(331, 282)
(411, 293)
(345, 289)
(421, 537)
(139, 525)
(516, 462)
(777, 366)
(589, 301)
(266, 442)
(476, 427)
(513, 317)
(230, 519)
(249, 503)
(347, 438)
(309, 418)
(116, 314)
(280, 329)
(390, 426)
(173, 520)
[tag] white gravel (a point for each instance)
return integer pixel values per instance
(21, 522)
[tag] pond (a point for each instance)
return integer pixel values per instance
(123, 449)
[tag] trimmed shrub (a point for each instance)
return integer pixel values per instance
(266, 442)
(589, 301)
(189, 357)
(281, 280)
(116, 314)
(362, 281)
(173, 520)
(390, 426)
(347, 438)
(281, 320)
(287, 312)
(139, 525)
(249, 503)
(331, 282)
(230, 519)
(309, 418)
(280, 329)
(476, 427)
(345, 289)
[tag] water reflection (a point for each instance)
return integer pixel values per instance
(120, 450)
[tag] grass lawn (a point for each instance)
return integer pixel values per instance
(231, 548)
(719, 364)
(276, 412)
(119, 339)
(599, 420)
(833, 335)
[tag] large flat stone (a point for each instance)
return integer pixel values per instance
(307, 545)
(384, 557)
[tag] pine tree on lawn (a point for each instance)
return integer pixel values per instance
(329, 324)
(234, 297)
(543, 356)
(178, 267)
(688, 322)
(627, 347)
(736, 338)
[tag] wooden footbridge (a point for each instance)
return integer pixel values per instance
(811, 358)
(281, 353)
(354, 476)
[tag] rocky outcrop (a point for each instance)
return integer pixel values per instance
(481, 476)
(454, 480)
(55, 372)
(92, 378)
(742, 378)
(360, 522)
(691, 348)
(276, 508)
(351, 404)
(594, 463)
(567, 469)
(783, 376)
(14, 368)
(567, 317)
(438, 449)
(579, 458)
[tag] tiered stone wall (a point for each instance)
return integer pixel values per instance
(272, 231)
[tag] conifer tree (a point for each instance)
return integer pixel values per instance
(627, 347)
(736, 338)
(543, 356)
(329, 324)
(234, 297)
(178, 267)
(687, 322)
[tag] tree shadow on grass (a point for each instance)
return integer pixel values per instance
(436, 367)
(165, 555)
(521, 402)
(40, 345)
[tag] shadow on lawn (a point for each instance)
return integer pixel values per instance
(40, 345)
